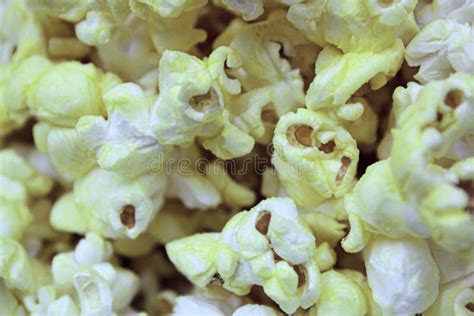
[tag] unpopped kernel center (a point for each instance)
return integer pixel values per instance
(127, 216)
(454, 98)
(269, 115)
(300, 134)
(263, 221)
(345, 162)
(203, 102)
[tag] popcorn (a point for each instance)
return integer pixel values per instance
(330, 87)
(315, 158)
(450, 219)
(340, 295)
(191, 103)
(436, 120)
(126, 213)
(254, 309)
(254, 248)
(461, 11)
(183, 157)
(126, 138)
(100, 287)
(49, 304)
(391, 13)
(66, 10)
(167, 8)
(10, 305)
(377, 206)
(441, 49)
(402, 275)
(18, 182)
(455, 300)
(232, 193)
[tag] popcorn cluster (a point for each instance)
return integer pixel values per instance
(237, 157)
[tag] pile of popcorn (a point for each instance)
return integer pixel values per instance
(237, 157)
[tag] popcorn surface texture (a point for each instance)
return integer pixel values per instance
(237, 157)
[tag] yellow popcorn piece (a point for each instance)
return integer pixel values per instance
(360, 279)
(402, 275)
(191, 103)
(47, 303)
(453, 301)
(101, 21)
(450, 218)
(16, 168)
(100, 287)
(325, 257)
(20, 33)
(461, 11)
(325, 227)
(376, 206)
(138, 45)
(10, 304)
(64, 9)
(15, 267)
(315, 158)
(441, 115)
(331, 87)
(131, 206)
(402, 98)
(364, 128)
(250, 10)
(254, 309)
(233, 193)
(441, 48)
(273, 88)
(340, 296)
(95, 29)
(66, 91)
(307, 17)
(408, 30)
(267, 245)
(454, 268)
(14, 213)
(352, 26)
(262, 66)
(14, 84)
(18, 182)
(89, 251)
(59, 98)
(167, 8)
(293, 287)
(188, 304)
(391, 13)
(196, 191)
(66, 150)
(123, 143)
(211, 258)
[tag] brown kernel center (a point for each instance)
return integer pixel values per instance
(263, 222)
(269, 115)
(328, 147)
(454, 98)
(127, 216)
(301, 272)
(346, 161)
